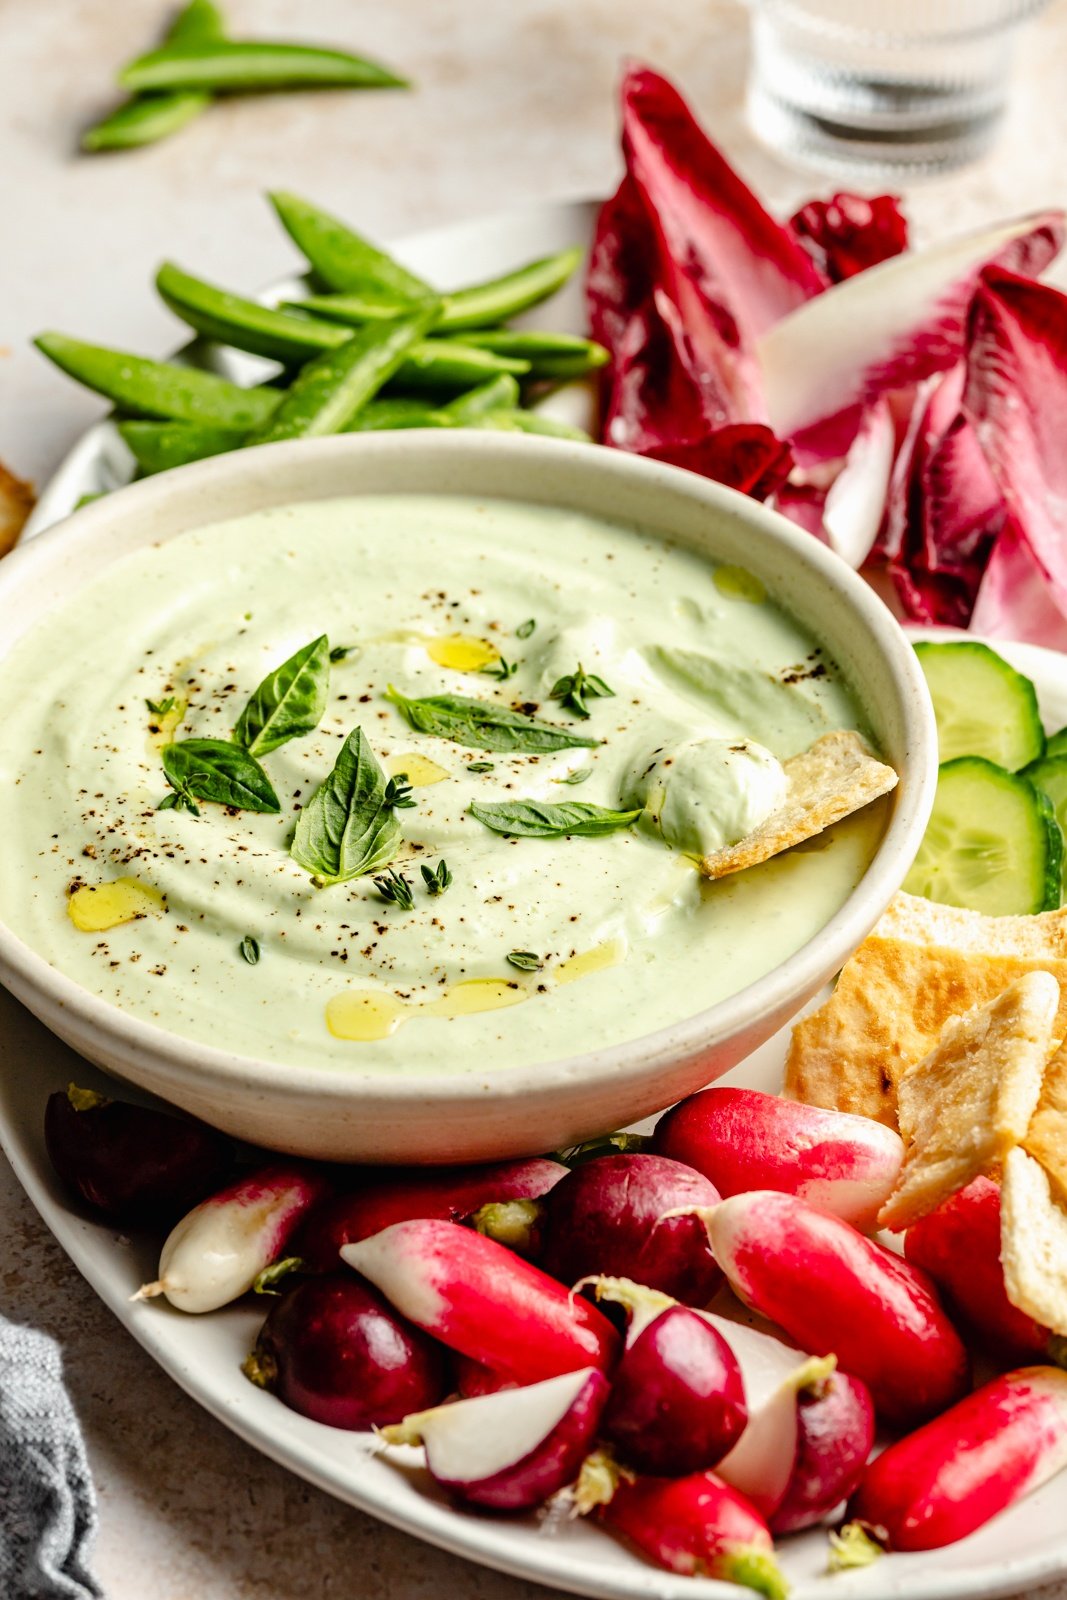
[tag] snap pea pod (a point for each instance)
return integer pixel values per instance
(398, 411)
(499, 393)
(158, 446)
(291, 338)
(438, 365)
(342, 259)
(508, 420)
(550, 355)
(146, 388)
(232, 319)
(236, 66)
(149, 117)
(329, 391)
(479, 306)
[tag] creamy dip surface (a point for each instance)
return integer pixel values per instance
(713, 687)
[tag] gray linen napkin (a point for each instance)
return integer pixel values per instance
(47, 1503)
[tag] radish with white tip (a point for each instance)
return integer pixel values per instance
(832, 1289)
(481, 1299)
(835, 1434)
(697, 1525)
(677, 1400)
(742, 1139)
(218, 1250)
(512, 1450)
(967, 1465)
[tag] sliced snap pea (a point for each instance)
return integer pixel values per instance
(150, 117)
(148, 388)
(341, 259)
(329, 391)
(479, 306)
(158, 446)
(500, 393)
(550, 355)
(397, 412)
(518, 421)
(231, 319)
(235, 66)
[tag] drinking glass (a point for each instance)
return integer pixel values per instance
(882, 85)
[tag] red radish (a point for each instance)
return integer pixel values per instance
(697, 1526)
(761, 1465)
(610, 1217)
(450, 1193)
(835, 1433)
(479, 1298)
(218, 1250)
(884, 329)
(741, 1139)
(677, 1400)
(512, 1450)
(831, 1289)
(473, 1380)
(129, 1163)
(961, 1469)
(959, 1246)
(332, 1349)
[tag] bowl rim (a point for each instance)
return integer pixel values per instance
(25, 972)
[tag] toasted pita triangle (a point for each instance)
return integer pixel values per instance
(1033, 1242)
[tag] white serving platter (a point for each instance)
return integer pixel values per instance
(1011, 1556)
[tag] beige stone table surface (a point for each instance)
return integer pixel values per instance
(514, 104)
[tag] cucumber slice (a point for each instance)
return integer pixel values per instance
(983, 707)
(992, 843)
(1050, 776)
(1056, 744)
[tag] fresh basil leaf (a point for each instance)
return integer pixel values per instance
(482, 725)
(289, 702)
(539, 819)
(347, 828)
(219, 771)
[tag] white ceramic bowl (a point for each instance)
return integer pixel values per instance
(349, 1114)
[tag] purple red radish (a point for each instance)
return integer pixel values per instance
(677, 1400)
(218, 1250)
(334, 1350)
(959, 1246)
(697, 1526)
(967, 1465)
(481, 1299)
(129, 1163)
(835, 1434)
(833, 1290)
(474, 1380)
(741, 1139)
(451, 1194)
(762, 1463)
(609, 1217)
(512, 1450)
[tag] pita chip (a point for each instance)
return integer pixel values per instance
(923, 964)
(966, 1104)
(17, 500)
(836, 777)
(1033, 1242)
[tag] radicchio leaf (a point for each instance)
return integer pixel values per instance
(1016, 394)
(745, 264)
(891, 326)
(855, 502)
(742, 455)
(1015, 600)
(944, 510)
(849, 233)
